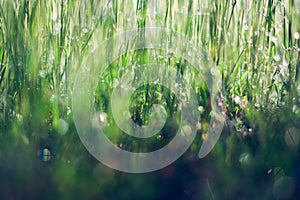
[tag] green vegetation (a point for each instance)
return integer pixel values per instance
(254, 44)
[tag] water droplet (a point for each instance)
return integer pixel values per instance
(296, 35)
(160, 57)
(52, 98)
(237, 99)
(42, 73)
(201, 109)
(69, 111)
(84, 30)
(103, 118)
(45, 154)
(277, 57)
(214, 71)
(51, 56)
(19, 117)
(159, 137)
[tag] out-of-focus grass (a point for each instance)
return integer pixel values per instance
(254, 44)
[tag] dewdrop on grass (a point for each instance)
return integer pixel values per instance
(296, 35)
(277, 57)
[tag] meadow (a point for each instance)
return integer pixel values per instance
(254, 45)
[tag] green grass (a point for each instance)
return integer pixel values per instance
(254, 44)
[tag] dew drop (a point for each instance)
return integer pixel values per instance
(159, 137)
(201, 109)
(277, 58)
(84, 30)
(103, 118)
(52, 98)
(214, 71)
(69, 111)
(296, 35)
(160, 57)
(237, 99)
(51, 56)
(42, 73)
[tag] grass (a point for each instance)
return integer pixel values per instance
(254, 44)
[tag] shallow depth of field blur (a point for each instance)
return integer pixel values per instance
(254, 44)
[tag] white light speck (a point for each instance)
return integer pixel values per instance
(84, 30)
(277, 58)
(296, 35)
